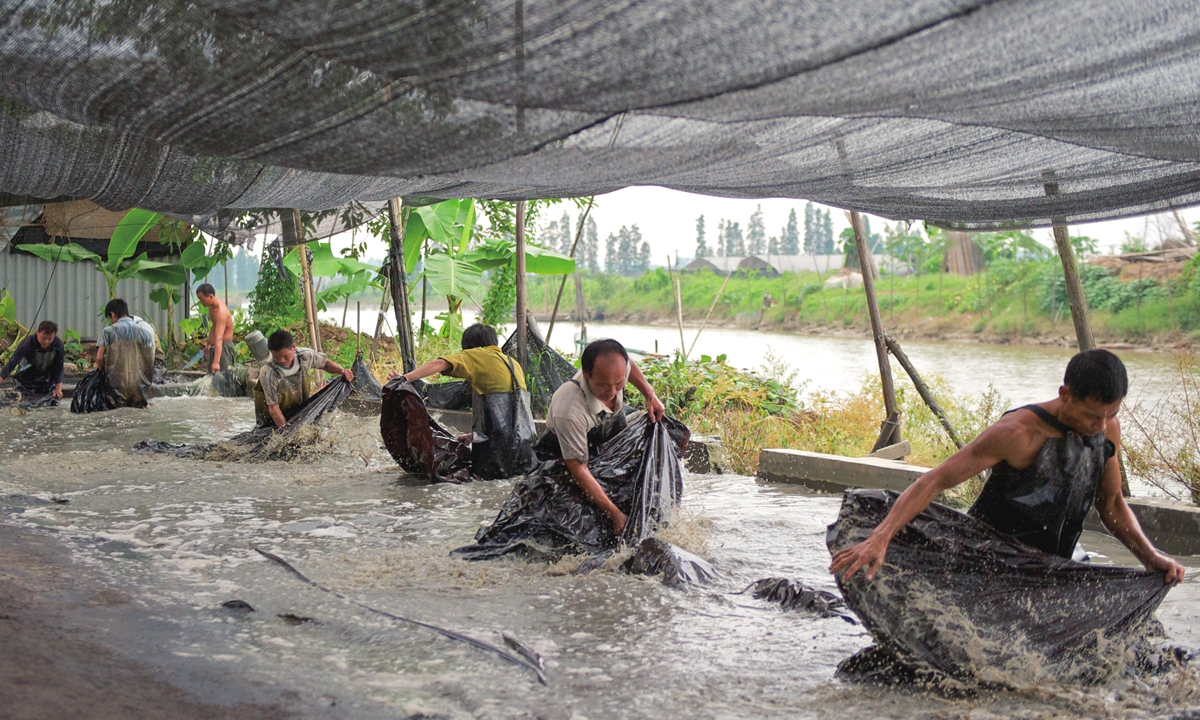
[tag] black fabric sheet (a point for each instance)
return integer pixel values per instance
(547, 515)
(957, 599)
(365, 384)
(949, 110)
(262, 443)
(418, 443)
(94, 394)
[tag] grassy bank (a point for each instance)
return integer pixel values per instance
(1011, 302)
(759, 410)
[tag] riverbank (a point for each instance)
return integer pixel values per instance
(1012, 303)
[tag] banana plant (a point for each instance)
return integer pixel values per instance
(120, 263)
(324, 263)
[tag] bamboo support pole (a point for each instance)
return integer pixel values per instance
(889, 432)
(291, 229)
(578, 282)
(398, 284)
(522, 337)
(1075, 298)
(922, 388)
(379, 319)
(708, 314)
(674, 286)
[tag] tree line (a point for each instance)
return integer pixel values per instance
(731, 242)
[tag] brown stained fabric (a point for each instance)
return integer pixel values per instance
(419, 444)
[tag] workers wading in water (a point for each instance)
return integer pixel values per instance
(38, 361)
(219, 351)
(285, 384)
(1050, 463)
(589, 410)
(502, 429)
(125, 352)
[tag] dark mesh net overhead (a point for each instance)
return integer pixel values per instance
(948, 110)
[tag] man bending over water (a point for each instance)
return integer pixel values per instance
(589, 409)
(1050, 463)
(285, 384)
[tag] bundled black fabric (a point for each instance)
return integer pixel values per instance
(795, 595)
(958, 599)
(23, 399)
(453, 395)
(674, 565)
(502, 431)
(262, 444)
(365, 383)
(547, 515)
(94, 394)
(417, 442)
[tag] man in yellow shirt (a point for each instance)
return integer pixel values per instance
(502, 423)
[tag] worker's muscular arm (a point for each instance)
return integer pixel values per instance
(1121, 521)
(992, 446)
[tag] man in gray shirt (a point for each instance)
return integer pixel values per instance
(589, 409)
(125, 351)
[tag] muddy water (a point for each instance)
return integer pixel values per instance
(178, 536)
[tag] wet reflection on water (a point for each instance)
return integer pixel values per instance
(179, 536)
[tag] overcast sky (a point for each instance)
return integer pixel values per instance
(667, 220)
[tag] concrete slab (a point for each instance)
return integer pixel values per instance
(835, 473)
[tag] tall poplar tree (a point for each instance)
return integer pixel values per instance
(701, 246)
(756, 233)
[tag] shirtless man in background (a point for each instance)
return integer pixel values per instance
(219, 350)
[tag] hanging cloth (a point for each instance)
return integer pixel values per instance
(502, 431)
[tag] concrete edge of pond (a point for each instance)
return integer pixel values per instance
(1173, 527)
(704, 454)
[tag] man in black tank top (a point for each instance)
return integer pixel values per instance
(1051, 462)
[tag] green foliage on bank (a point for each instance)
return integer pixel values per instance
(1011, 298)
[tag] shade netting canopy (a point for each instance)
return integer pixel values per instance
(955, 111)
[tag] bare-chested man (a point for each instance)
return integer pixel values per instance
(219, 351)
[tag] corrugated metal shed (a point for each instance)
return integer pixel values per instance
(76, 294)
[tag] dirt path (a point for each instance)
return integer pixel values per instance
(48, 670)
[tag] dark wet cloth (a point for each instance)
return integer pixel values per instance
(960, 599)
(1045, 504)
(502, 436)
(94, 394)
(502, 431)
(365, 384)
(38, 371)
(263, 443)
(547, 515)
(228, 356)
(418, 443)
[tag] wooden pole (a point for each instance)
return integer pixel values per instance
(290, 227)
(398, 284)
(358, 333)
(890, 430)
(379, 319)
(580, 306)
(522, 339)
(922, 388)
(563, 283)
(424, 295)
(709, 314)
(679, 316)
(678, 310)
(1075, 298)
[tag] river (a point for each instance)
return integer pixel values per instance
(1021, 373)
(177, 538)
